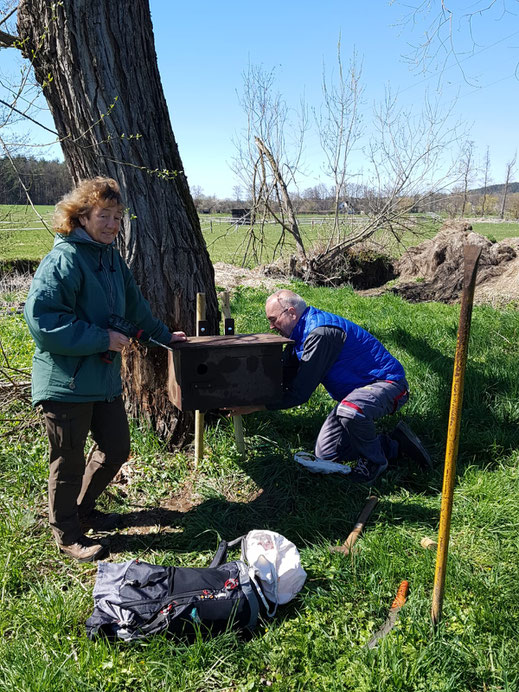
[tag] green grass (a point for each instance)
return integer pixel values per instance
(23, 236)
(497, 231)
(22, 233)
(318, 641)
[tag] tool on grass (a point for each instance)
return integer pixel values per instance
(471, 257)
(400, 599)
(346, 547)
(124, 326)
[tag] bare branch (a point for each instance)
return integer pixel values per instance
(510, 167)
(454, 35)
(339, 126)
(11, 161)
(9, 15)
(281, 188)
(8, 40)
(271, 131)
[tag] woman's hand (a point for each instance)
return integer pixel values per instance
(117, 340)
(177, 336)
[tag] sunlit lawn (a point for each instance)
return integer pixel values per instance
(24, 236)
(318, 642)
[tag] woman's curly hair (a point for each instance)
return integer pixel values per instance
(81, 200)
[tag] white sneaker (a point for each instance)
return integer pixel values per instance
(316, 465)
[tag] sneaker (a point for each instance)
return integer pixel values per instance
(100, 521)
(366, 471)
(410, 445)
(84, 550)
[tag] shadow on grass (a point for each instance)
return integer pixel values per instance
(484, 434)
(305, 507)
(309, 508)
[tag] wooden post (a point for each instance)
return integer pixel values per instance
(199, 416)
(237, 420)
(471, 256)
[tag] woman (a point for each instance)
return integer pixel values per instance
(77, 287)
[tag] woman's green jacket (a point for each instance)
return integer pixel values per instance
(75, 290)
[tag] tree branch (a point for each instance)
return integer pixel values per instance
(8, 40)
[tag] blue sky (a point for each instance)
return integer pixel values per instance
(204, 47)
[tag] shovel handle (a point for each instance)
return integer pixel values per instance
(348, 544)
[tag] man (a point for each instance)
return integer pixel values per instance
(358, 372)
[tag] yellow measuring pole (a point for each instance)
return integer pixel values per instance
(471, 257)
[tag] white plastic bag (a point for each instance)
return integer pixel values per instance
(275, 562)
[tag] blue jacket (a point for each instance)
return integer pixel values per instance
(75, 290)
(362, 360)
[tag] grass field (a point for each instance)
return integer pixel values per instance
(318, 642)
(23, 236)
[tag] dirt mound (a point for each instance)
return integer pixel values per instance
(362, 266)
(433, 270)
(229, 277)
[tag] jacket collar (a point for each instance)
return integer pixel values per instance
(79, 235)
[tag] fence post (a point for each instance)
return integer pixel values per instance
(199, 416)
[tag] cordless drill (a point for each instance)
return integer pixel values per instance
(120, 324)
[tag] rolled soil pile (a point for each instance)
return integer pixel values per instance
(433, 270)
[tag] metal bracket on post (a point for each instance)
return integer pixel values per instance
(202, 326)
(228, 327)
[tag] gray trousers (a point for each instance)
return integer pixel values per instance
(74, 487)
(349, 432)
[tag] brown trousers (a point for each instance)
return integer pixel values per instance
(74, 488)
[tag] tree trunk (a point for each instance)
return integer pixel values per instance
(97, 65)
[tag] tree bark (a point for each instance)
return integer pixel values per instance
(97, 65)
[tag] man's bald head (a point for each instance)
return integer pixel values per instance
(283, 309)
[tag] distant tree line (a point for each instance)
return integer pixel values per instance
(320, 199)
(45, 181)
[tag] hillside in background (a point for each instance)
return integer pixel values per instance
(496, 189)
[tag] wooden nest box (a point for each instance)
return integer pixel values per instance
(209, 372)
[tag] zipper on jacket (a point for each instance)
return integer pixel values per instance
(72, 381)
(106, 272)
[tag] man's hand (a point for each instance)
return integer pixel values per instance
(178, 336)
(244, 410)
(117, 340)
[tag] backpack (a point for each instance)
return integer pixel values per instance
(134, 599)
(274, 563)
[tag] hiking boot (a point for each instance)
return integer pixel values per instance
(366, 471)
(100, 521)
(84, 549)
(410, 446)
